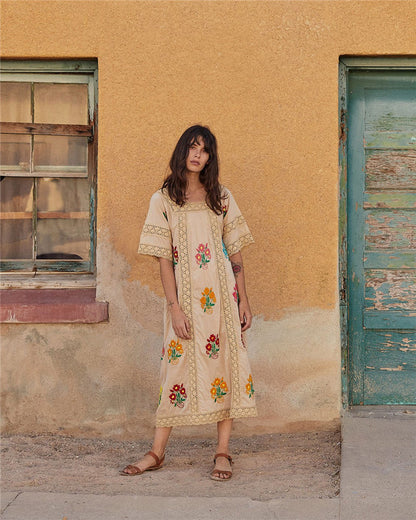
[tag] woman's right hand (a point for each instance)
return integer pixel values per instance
(180, 322)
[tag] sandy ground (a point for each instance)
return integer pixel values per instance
(296, 465)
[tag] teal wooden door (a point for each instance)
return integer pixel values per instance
(381, 234)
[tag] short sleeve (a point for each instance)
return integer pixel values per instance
(156, 239)
(236, 233)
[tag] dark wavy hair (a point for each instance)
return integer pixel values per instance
(176, 182)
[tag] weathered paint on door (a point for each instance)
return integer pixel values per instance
(381, 185)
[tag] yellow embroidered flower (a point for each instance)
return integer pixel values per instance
(213, 392)
(223, 385)
(216, 382)
(172, 343)
(179, 348)
(248, 388)
(169, 352)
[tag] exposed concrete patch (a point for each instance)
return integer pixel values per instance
(102, 379)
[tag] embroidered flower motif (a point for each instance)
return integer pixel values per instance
(213, 346)
(224, 211)
(224, 249)
(163, 352)
(249, 386)
(175, 256)
(178, 395)
(208, 300)
(175, 351)
(160, 394)
(165, 215)
(219, 390)
(235, 294)
(203, 256)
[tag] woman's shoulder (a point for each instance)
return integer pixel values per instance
(160, 196)
(225, 192)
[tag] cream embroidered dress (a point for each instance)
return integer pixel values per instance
(207, 378)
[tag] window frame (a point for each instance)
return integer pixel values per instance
(54, 71)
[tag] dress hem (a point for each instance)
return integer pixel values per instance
(191, 420)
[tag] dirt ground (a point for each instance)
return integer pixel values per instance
(295, 465)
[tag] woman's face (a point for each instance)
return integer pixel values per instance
(197, 156)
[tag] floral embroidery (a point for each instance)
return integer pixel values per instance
(203, 256)
(175, 351)
(165, 215)
(208, 300)
(235, 294)
(224, 211)
(163, 352)
(224, 249)
(160, 394)
(213, 346)
(219, 390)
(249, 386)
(175, 256)
(178, 395)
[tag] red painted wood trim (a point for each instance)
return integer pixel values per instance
(51, 306)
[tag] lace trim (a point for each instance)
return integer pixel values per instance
(146, 249)
(186, 304)
(188, 206)
(149, 229)
(227, 311)
(236, 246)
(238, 221)
(205, 418)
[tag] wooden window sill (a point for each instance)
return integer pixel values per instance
(66, 305)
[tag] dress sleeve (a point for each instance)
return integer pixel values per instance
(156, 238)
(235, 234)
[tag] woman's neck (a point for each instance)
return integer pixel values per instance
(195, 191)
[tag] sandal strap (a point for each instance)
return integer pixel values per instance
(223, 455)
(152, 454)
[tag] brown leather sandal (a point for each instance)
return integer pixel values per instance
(131, 471)
(215, 474)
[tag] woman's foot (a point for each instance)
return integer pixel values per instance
(149, 462)
(222, 470)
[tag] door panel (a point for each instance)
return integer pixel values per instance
(381, 184)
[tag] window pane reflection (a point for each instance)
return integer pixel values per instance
(66, 195)
(60, 153)
(15, 102)
(61, 104)
(16, 194)
(16, 239)
(63, 239)
(15, 152)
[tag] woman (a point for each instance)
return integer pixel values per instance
(197, 231)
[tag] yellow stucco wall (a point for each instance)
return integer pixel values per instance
(264, 76)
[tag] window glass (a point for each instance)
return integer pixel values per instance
(15, 104)
(60, 153)
(61, 104)
(62, 238)
(15, 152)
(16, 195)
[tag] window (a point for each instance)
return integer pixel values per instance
(48, 150)
(48, 166)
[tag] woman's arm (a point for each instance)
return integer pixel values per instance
(180, 322)
(243, 306)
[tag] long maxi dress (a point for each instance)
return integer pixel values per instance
(205, 379)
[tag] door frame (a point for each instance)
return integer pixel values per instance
(346, 65)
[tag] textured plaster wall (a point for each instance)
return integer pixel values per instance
(264, 76)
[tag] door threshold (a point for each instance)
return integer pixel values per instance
(382, 411)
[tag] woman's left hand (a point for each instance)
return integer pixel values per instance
(245, 315)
